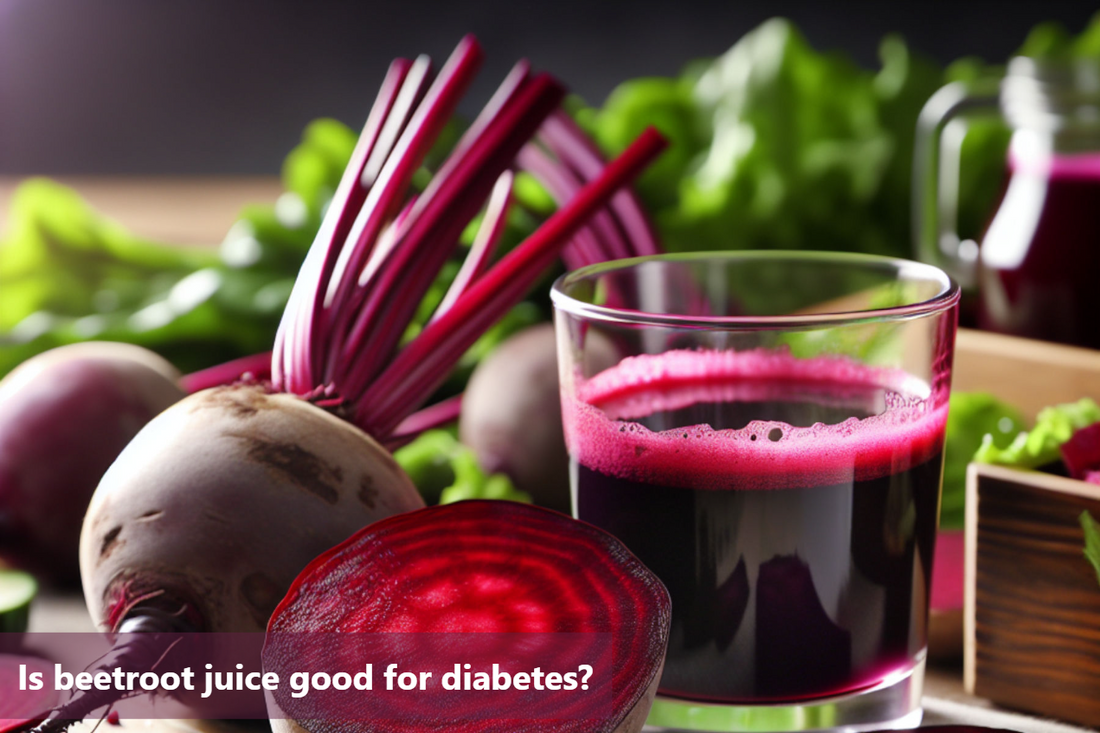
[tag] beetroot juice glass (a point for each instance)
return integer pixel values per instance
(764, 430)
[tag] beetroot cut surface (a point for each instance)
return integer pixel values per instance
(494, 567)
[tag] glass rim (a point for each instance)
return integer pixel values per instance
(946, 297)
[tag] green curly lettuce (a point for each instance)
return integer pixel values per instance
(1051, 41)
(777, 146)
(1040, 446)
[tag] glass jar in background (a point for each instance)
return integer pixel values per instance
(1036, 267)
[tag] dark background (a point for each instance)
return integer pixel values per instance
(225, 86)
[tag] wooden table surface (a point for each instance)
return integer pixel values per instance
(200, 210)
(180, 210)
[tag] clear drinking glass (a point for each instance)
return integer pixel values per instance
(765, 431)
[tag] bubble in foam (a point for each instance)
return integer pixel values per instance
(763, 454)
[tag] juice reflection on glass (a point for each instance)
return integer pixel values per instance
(778, 468)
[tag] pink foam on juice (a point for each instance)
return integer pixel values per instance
(601, 435)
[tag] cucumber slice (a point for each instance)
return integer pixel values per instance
(17, 590)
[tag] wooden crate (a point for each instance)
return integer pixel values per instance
(1028, 374)
(1032, 609)
(1032, 618)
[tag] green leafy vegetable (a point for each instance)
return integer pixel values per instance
(68, 274)
(1092, 541)
(973, 417)
(775, 145)
(445, 471)
(1051, 41)
(1038, 447)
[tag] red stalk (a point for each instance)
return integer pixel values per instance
(481, 251)
(562, 135)
(421, 421)
(449, 203)
(504, 95)
(361, 233)
(586, 246)
(421, 365)
(385, 197)
(256, 366)
(346, 202)
(563, 182)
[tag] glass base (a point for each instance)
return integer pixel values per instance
(893, 704)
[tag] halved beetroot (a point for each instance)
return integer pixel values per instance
(490, 567)
(19, 709)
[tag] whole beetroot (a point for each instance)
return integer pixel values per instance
(65, 415)
(511, 413)
(282, 482)
(511, 416)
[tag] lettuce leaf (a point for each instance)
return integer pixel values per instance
(445, 471)
(775, 145)
(1039, 447)
(973, 418)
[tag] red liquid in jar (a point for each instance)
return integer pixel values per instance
(1040, 257)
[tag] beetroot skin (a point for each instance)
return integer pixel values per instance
(511, 413)
(65, 415)
(219, 502)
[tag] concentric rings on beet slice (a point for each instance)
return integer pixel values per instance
(509, 570)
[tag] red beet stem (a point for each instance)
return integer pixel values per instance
(389, 179)
(408, 97)
(443, 210)
(342, 210)
(364, 246)
(586, 246)
(256, 366)
(429, 418)
(373, 144)
(419, 367)
(567, 141)
(493, 224)
(566, 181)
(505, 94)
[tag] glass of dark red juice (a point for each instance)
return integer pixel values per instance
(764, 430)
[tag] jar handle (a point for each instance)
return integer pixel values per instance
(936, 176)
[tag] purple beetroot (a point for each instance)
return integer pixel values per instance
(65, 415)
